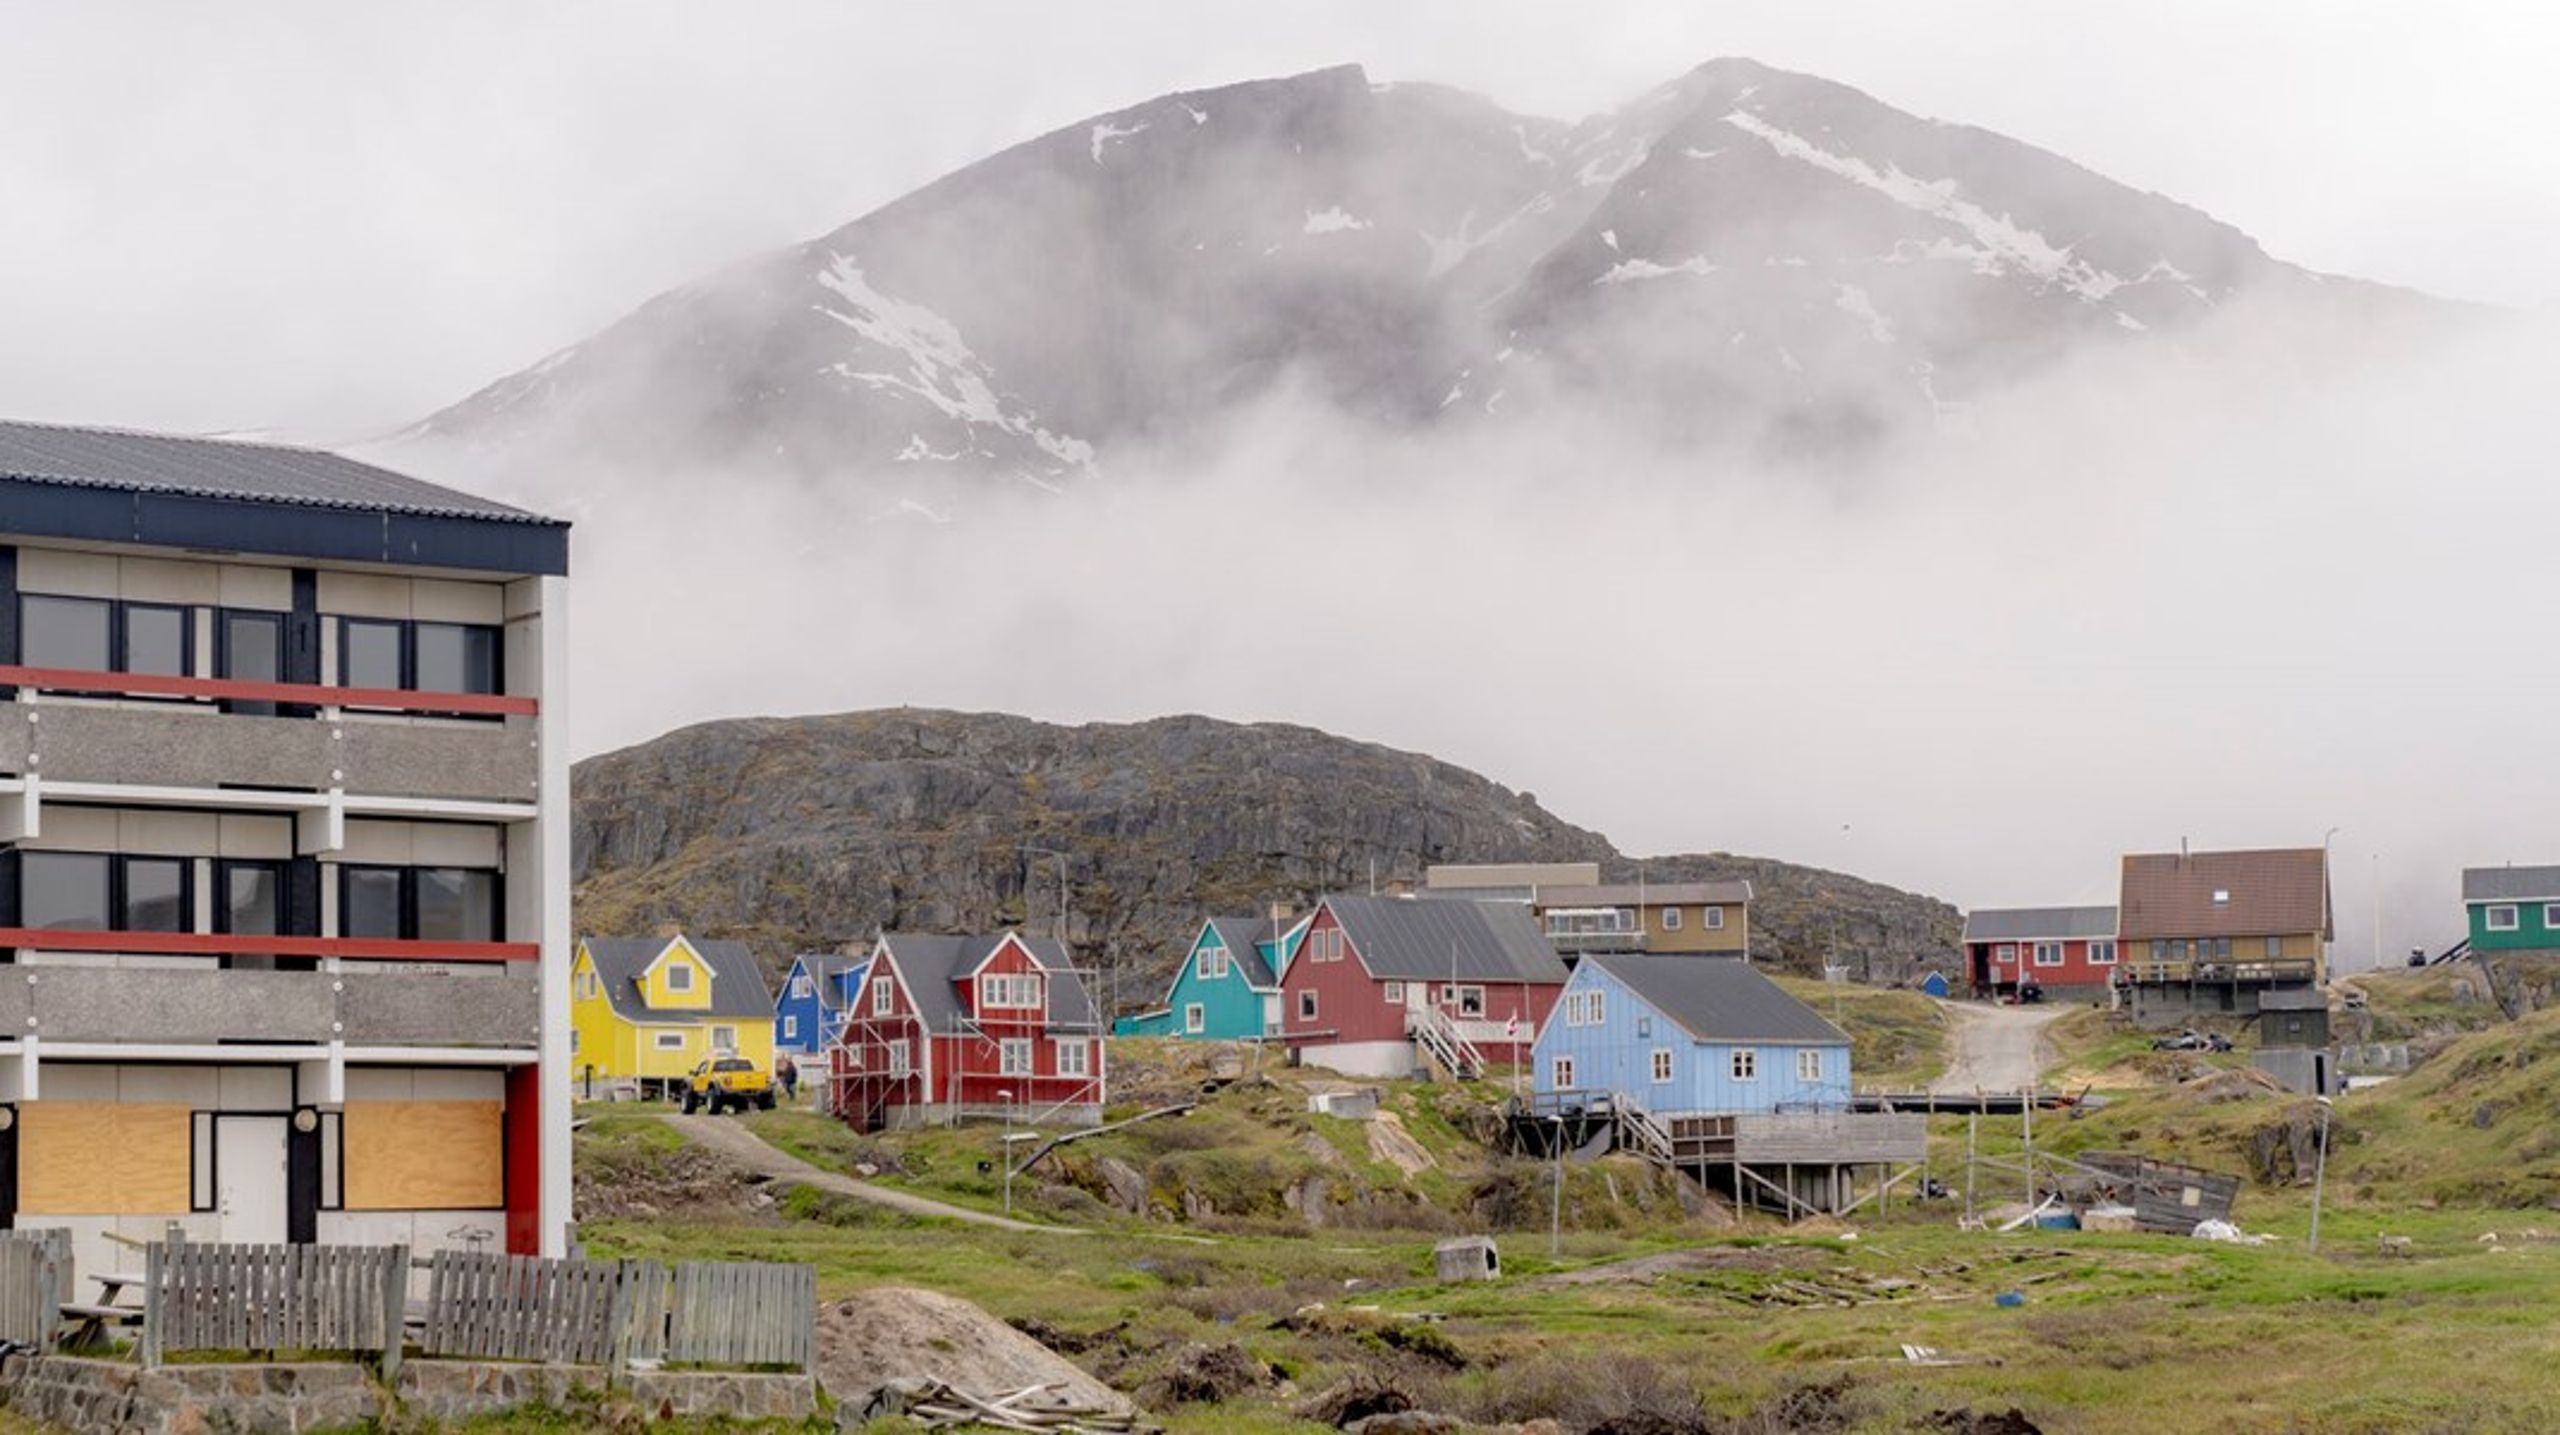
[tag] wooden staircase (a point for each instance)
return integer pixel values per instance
(1442, 1042)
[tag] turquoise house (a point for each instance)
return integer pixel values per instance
(2512, 909)
(1689, 1035)
(1228, 987)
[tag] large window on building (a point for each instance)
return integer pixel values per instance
(421, 904)
(65, 891)
(156, 895)
(158, 638)
(249, 898)
(66, 632)
(418, 657)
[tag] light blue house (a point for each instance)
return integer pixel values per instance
(810, 1009)
(1688, 1034)
(1228, 988)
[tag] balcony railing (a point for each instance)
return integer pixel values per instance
(210, 944)
(160, 685)
(164, 1006)
(1630, 940)
(2269, 970)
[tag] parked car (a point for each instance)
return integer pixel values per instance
(726, 1082)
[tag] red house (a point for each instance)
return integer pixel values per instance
(2068, 951)
(1382, 986)
(946, 1028)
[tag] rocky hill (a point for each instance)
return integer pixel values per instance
(1742, 254)
(806, 833)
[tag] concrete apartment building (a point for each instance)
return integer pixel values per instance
(284, 915)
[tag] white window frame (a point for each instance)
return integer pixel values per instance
(1074, 1056)
(1809, 1063)
(1745, 1064)
(2551, 916)
(800, 986)
(1195, 1019)
(1013, 1056)
(1644, 1027)
(586, 986)
(884, 995)
(2049, 954)
(667, 1041)
(683, 970)
(2275, 948)
(1661, 1064)
(1711, 918)
(1009, 991)
(1306, 1004)
(724, 1038)
(2005, 954)
(1560, 1073)
(1671, 919)
(791, 1026)
(902, 1060)
(1204, 963)
(1456, 998)
(2102, 953)
(1394, 992)
(853, 1056)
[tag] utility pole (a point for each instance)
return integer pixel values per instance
(1555, 1212)
(2319, 1174)
(1006, 1096)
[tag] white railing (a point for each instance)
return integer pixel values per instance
(1440, 1037)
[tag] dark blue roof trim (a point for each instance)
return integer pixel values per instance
(34, 508)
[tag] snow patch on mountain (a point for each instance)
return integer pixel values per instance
(1854, 302)
(1333, 220)
(1996, 235)
(1627, 270)
(1106, 134)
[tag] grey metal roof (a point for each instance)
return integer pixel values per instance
(933, 966)
(1408, 939)
(2039, 924)
(226, 468)
(737, 985)
(1238, 935)
(1720, 999)
(1650, 894)
(2511, 884)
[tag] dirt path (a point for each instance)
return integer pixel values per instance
(735, 1141)
(1994, 1048)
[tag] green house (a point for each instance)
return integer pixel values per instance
(2512, 909)
(1228, 988)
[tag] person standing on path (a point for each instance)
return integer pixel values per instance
(789, 1072)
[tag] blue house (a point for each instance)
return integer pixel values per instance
(1686, 1034)
(810, 1010)
(1228, 987)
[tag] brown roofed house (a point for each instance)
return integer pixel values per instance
(2264, 912)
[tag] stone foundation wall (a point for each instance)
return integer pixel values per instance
(114, 1397)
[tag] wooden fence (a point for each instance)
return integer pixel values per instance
(479, 1306)
(274, 1299)
(35, 1280)
(725, 1313)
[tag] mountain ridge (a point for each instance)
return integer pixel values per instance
(810, 833)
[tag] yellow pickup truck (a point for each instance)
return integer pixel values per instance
(726, 1082)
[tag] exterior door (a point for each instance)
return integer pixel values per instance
(249, 1178)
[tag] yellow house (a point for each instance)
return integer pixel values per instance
(649, 1009)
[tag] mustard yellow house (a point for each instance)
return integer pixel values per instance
(649, 1009)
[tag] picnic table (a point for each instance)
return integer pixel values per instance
(89, 1332)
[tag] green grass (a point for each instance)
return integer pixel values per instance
(1897, 1039)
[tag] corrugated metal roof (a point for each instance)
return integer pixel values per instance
(2271, 893)
(226, 468)
(1650, 894)
(1720, 999)
(737, 985)
(934, 965)
(1238, 935)
(2039, 924)
(1408, 939)
(828, 971)
(2511, 884)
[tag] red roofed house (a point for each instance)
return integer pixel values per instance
(1386, 986)
(2209, 931)
(942, 1029)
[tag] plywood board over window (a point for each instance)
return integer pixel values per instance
(425, 1156)
(102, 1158)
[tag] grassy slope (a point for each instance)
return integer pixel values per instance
(1897, 1039)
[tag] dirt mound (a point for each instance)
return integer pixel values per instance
(610, 1185)
(891, 1332)
(1208, 1375)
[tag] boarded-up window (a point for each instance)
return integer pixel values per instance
(424, 1156)
(102, 1158)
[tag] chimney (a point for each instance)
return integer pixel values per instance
(1400, 887)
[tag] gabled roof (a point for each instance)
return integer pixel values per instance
(826, 972)
(737, 985)
(933, 967)
(2269, 893)
(1238, 935)
(132, 461)
(1649, 894)
(1719, 999)
(1408, 939)
(2039, 924)
(2511, 884)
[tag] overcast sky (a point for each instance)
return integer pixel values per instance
(326, 220)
